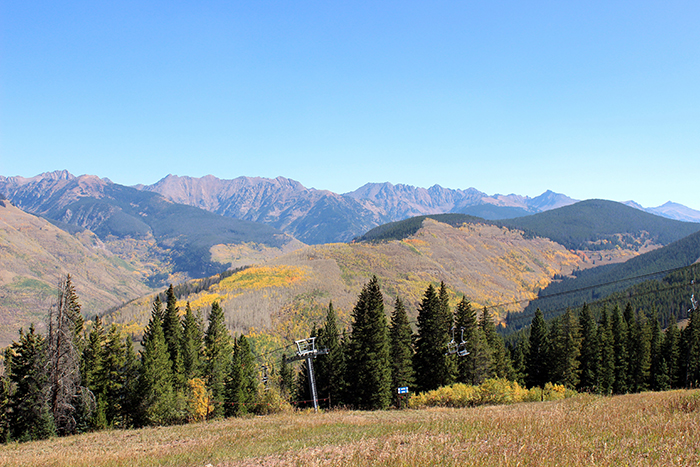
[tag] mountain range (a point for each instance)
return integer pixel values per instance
(125, 242)
(125, 218)
(320, 216)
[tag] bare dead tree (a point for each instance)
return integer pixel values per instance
(66, 396)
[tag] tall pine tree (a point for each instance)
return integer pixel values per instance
(430, 362)
(369, 372)
(621, 346)
(29, 415)
(606, 367)
(172, 331)
(590, 350)
(192, 345)
(401, 342)
(156, 392)
(68, 400)
(467, 327)
(501, 366)
(329, 369)
(538, 352)
(218, 353)
(242, 384)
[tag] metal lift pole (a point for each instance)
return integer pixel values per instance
(306, 349)
(312, 381)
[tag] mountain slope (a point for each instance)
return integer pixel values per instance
(312, 216)
(280, 298)
(319, 216)
(34, 254)
(185, 234)
(600, 224)
(594, 284)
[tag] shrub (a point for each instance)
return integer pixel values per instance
(492, 391)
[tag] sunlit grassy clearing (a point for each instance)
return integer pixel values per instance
(639, 429)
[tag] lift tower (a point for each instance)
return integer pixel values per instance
(306, 349)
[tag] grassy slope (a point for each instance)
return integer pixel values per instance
(33, 256)
(639, 429)
(278, 300)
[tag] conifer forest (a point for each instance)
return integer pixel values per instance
(86, 376)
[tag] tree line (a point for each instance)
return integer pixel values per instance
(81, 378)
(88, 377)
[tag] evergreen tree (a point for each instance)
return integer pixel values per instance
(691, 346)
(172, 331)
(218, 354)
(158, 402)
(606, 368)
(157, 314)
(501, 366)
(537, 364)
(590, 350)
(517, 357)
(466, 324)
(4, 405)
(640, 354)
(192, 345)
(482, 364)
(93, 353)
(241, 385)
(670, 355)
(286, 378)
(430, 362)
(401, 342)
(330, 368)
(29, 416)
(621, 346)
(369, 373)
(129, 395)
(658, 377)
(112, 377)
(566, 349)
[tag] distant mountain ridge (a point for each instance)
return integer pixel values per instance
(310, 215)
(321, 216)
(318, 216)
(183, 234)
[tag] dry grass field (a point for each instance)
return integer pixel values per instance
(640, 429)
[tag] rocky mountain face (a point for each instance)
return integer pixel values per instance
(320, 216)
(312, 216)
(184, 235)
(309, 215)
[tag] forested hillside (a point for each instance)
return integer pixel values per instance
(285, 295)
(591, 285)
(601, 225)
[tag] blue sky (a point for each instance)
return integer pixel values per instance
(591, 99)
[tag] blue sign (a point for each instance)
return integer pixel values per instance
(403, 390)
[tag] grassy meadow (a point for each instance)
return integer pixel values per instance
(640, 429)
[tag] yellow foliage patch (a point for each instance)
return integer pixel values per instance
(256, 278)
(199, 401)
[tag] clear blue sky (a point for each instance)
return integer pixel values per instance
(591, 99)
